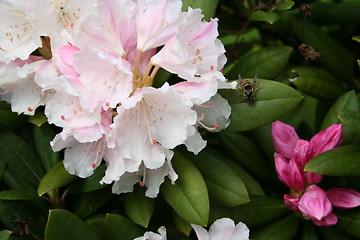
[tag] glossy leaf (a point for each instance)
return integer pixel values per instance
(121, 228)
(62, 224)
(247, 154)
(42, 137)
(285, 6)
(223, 183)
(188, 196)
(252, 186)
(208, 7)
(326, 13)
(88, 203)
(340, 161)
(20, 158)
(181, 224)
(14, 181)
(17, 195)
(349, 222)
(308, 231)
(138, 207)
(350, 119)
(347, 101)
(5, 234)
(9, 119)
(273, 101)
(267, 63)
(317, 83)
(55, 178)
(269, 17)
(266, 207)
(11, 211)
(38, 119)
(282, 229)
(2, 168)
(91, 183)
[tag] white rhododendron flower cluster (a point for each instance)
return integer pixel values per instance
(92, 65)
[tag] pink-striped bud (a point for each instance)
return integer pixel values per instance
(284, 138)
(327, 139)
(343, 197)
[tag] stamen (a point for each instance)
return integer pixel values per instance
(201, 117)
(107, 104)
(154, 141)
(142, 183)
(30, 109)
(212, 67)
(93, 165)
(63, 117)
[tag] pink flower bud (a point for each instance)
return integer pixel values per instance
(296, 176)
(284, 138)
(343, 197)
(327, 139)
(314, 204)
(329, 220)
(313, 178)
(302, 152)
(281, 167)
(291, 203)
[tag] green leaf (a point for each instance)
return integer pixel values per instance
(347, 101)
(268, 62)
(308, 232)
(14, 181)
(42, 137)
(266, 207)
(247, 154)
(17, 195)
(262, 16)
(181, 224)
(273, 101)
(62, 224)
(340, 161)
(20, 158)
(252, 186)
(285, 6)
(5, 234)
(350, 119)
(121, 228)
(188, 196)
(38, 119)
(88, 203)
(356, 38)
(91, 183)
(208, 7)
(334, 13)
(222, 182)
(349, 222)
(317, 83)
(282, 229)
(10, 211)
(55, 178)
(138, 207)
(9, 119)
(2, 168)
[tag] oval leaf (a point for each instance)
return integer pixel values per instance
(63, 224)
(17, 195)
(5, 234)
(262, 16)
(42, 137)
(317, 83)
(247, 154)
(273, 101)
(349, 221)
(88, 203)
(20, 158)
(188, 196)
(138, 207)
(55, 178)
(268, 62)
(208, 7)
(282, 229)
(91, 183)
(181, 225)
(121, 228)
(340, 161)
(222, 182)
(266, 207)
(350, 119)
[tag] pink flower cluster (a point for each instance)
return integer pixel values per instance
(306, 198)
(96, 81)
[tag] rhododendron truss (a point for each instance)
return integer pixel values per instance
(306, 198)
(96, 82)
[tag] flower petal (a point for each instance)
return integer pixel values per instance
(314, 203)
(284, 138)
(225, 229)
(302, 152)
(329, 220)
(343, 197)
(327, 139)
